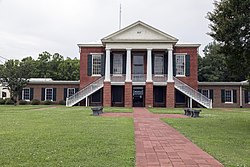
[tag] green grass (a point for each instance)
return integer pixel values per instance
(118, 109)
(64, 137)
(166, 110)
(223, 133)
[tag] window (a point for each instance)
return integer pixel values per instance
(159, 64)
(249, 97)
(138, 64)
(205, 92)
(49, 94)
(228, 96)
(180, 65)
(26, 94)
(96, 64)
(117, 64)
(71, 91)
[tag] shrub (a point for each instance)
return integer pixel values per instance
(9, 101)
(62, 102)
(35, 102)
(47, 102)
(2, 101)
(23, 102)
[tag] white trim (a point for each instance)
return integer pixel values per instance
(184, 61)
(89, 45)
(180, 53)
(232, 96)
(100, 56)
(23, 94)
(68, 91)
(208, 92)
(188, 45)
(45, 98)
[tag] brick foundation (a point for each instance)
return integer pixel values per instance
(149, 94)
(128, 100)
(107, 94)
(170, 93)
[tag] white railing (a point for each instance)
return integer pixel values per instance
(117, 78)
(85, 92)
(138, 77)
(194, 94)
(160, 78)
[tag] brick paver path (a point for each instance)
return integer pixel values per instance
(158, 144)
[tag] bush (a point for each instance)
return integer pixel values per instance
(23, 102)
(62, 102)
(48, 102)
(9, 101)
(2, 101)
(35, 102)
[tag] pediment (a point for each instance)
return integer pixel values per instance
(139, 32)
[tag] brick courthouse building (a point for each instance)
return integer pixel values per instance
(140, 66)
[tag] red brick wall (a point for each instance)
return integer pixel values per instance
(170, 95)
(149, 94)
(107, 94)
(191, 80)
(84, 78)
(128, 94)
(59, 90)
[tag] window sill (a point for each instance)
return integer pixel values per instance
(228, 102)
(180, 76)
(96, 75)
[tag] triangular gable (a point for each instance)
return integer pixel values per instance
(139, 31)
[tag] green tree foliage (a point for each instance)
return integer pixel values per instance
(230, 26)
(212, 67)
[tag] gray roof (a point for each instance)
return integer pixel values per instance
(51, 81)
(223, 83)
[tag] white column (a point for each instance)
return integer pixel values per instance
(149, 65)
(128, 66)
(190, 103)
(86, 101)
(170, 65)
(241, 96)
(107, 66)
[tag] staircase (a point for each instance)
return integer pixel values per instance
(85, 92)
(192, 93)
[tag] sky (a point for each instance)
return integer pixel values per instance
(29, 27)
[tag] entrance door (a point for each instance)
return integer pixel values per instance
(138, 96)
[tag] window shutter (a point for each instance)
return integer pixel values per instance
(76, 90)
(111, 63)
(42, 94)
(54, 94)
(20, 95)
(89, 65)
(103, 64)
(174, 65)
(223, 95)
(246, 96)
(31, 93)
(65, 93)
(187, 61)
(235, 96)
(124, 61)
(165, 63)
(211, 93)
(153, 62)
(199, 90)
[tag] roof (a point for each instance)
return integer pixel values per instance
(51, 81)
(222, 83)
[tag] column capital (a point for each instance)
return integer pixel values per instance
(149, 49)
(170, 49)
(128, 49)
(107, 49)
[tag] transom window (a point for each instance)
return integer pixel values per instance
(159, 64)
(49, 94)
(26, 94)
(180, 65)
(117, 64)
(205, 92)
(71, 91)
(228, 96)
(96, 64)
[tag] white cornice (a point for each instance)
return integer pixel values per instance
(188, 45)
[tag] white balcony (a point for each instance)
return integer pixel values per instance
(138, 78)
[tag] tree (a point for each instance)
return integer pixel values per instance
(212, 67)
(15, 74)
(230, 26)
(69, 69)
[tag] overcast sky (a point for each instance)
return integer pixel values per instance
(29, 27)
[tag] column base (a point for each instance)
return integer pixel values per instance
(170, 95)
(107, 94)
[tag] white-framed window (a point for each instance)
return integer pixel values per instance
(158, 64)
(180, 65)
(117, 64)
(26, 94)
(70, 92)
(205, 92)
(248, 97)
(228, 96)
(96, 64)
(49, 94)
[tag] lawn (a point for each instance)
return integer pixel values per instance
(223, 133)
(166, 110)
(64, 137)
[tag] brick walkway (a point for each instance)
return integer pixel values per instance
(158, 144)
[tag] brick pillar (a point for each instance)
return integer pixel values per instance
(170, 103)
(149, 94)
(128, 99)
(107, 94)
